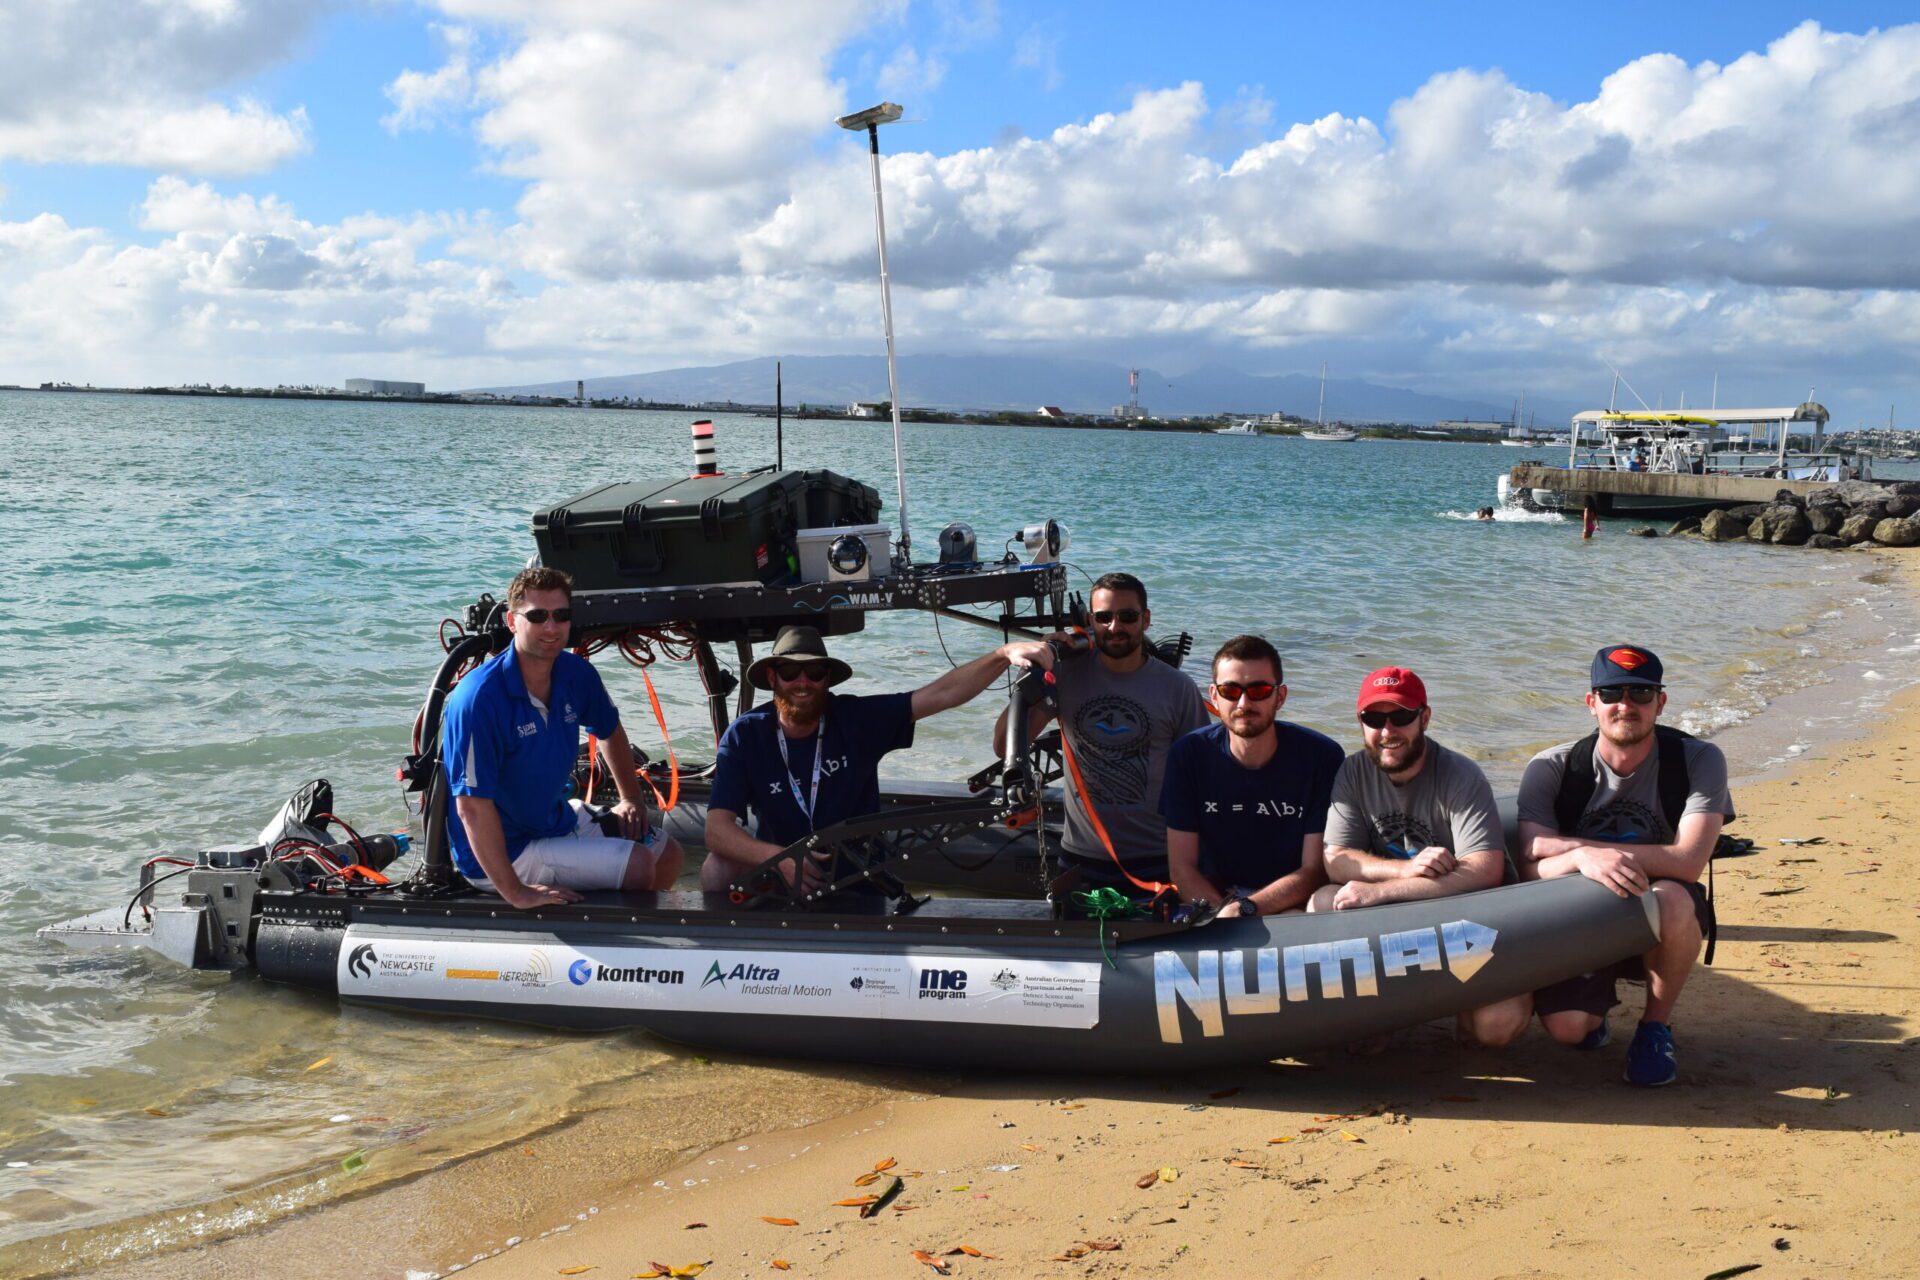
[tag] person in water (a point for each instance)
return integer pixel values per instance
(1245, 800)
(1120, 709)
(509, 738)
(813, 757)
(1411, 819)
(1637, 806)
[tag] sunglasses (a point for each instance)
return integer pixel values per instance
(1232, 691)
(538, 616)
(1126, 617)
(1640, 695)
(1381, 719)
(812, 672)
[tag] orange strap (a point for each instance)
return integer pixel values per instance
(1100, 828)
(672, 798)
(593, 767)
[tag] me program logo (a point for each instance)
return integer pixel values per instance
(579, 973)
(943, 984)
(361, 960)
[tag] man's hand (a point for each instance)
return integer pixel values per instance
(1233, 910)
(813, 871)
(527, 897)
(1612, 868)
(1029, 653)
(632, 816)
(1354, 893)
(1433, 861)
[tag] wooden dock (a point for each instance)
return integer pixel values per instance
(1649, 493)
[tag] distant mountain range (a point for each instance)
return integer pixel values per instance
(986, 383)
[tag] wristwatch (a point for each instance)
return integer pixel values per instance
(1247, 907)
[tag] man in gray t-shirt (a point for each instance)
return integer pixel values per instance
(1411, 819)
(1120, 709)
(1625, 839)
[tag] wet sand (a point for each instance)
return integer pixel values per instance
(1787, 1141)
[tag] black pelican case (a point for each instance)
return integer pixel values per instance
(698, 530)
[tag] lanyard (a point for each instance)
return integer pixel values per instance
(812, 801)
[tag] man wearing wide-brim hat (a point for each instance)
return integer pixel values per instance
(812, 758)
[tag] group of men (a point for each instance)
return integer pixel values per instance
(1246, 814)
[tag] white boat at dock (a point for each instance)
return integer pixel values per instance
(1330, 435)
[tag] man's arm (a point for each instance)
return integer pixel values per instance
(965, 683)
(1345, 864)
(1480, 869)
(1550, 855)
(728, 840)
(489, 844)
(1183, 864)
(1292, 890)
(632, 808)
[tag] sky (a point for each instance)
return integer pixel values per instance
(1487, 200)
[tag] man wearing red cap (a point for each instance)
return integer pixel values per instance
(1411, 819)
(1637, 806)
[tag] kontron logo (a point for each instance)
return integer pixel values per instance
(361, 960)
(579, 973)
(1217, 984)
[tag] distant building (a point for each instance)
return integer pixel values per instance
(1484, 428)
(860, 410)
(1053, 411)
(381, 387)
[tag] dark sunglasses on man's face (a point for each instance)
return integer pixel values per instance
(813, 672)
(1231, 691)
(538, 616)
(1126, 617)
(1381, 719)
(1639, 694)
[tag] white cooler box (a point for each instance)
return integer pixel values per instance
(814, 564)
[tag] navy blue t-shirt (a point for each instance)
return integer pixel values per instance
(750, 776)
(1251, 822)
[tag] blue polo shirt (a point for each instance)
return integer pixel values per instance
(499, 744)
(749, 775)
(1251, 822)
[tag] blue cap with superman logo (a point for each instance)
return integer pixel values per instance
(1625, 664)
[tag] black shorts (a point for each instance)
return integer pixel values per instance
(1594, 992)
(1101, 873)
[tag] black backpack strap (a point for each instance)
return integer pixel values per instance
(1576, 786)
(1675, 787)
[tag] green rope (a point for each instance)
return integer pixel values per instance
(1102, 905)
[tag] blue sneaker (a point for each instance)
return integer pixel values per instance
(1598, 1038)
(1650, 1061)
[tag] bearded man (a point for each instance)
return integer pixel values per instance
(1411, 819)
(1245, 800)
(813, 758)
(1637, 806)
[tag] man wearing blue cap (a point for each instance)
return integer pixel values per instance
(1637, 806)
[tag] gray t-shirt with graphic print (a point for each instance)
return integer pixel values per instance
(1449, 803)
(1626, 810)
(1120, 725)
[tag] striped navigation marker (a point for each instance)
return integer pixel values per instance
(706, 459)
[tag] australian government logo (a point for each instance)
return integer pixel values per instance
(1261, 980)
(759, 980)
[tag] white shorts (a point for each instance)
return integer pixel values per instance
(586, 860)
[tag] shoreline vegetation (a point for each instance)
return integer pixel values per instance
(1788, 1142)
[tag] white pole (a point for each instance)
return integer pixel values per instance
(886, 315)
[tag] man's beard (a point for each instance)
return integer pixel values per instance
(1414, 751)
(1119, 644)
(1626, 733)
(1248, 729)
(794, 713)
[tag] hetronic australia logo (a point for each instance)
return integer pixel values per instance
(943, 984)
(581, 972)
(365, 963)
(1217, 984)
(535, 970)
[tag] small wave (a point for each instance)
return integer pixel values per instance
(1871, 675)
(1508, 515)
(1706, 721)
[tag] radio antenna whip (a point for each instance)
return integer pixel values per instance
(870, 120)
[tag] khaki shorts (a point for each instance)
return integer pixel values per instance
(586, 860)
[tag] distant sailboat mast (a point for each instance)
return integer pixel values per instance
(1320, 418)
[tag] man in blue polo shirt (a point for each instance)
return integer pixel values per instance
(510, 736)
(772, 760)
(1246, 799)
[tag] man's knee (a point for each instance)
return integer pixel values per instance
(1570, 1026)
(1502, 1022)
(1679, 921)
(666, 867)
(1322, 899)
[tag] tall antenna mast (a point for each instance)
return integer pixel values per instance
(870, 120)
(1320, 418)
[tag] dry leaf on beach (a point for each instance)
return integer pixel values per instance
(1147, 1179)
(938, 1264)
(855, 1202)
(780, 1222)
(885, 1165)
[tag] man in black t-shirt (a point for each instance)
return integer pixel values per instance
(813, 758)
(1245, 800)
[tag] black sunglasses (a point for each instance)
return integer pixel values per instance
(1639, 694)
(538, 616)
(1127, 617)
(1381, 719)
(814, 672)
(1258, 691)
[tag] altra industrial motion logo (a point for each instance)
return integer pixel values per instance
(738, 973)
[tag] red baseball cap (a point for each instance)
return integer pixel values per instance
(1396, 685)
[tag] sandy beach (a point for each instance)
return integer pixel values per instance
(1786, 1144)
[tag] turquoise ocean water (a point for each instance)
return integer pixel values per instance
(211, 602)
